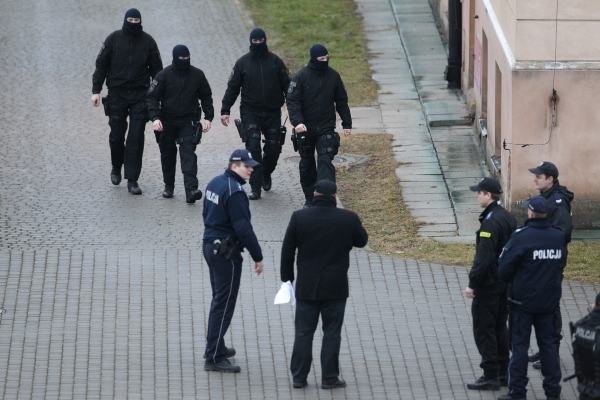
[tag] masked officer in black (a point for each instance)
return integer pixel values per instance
(532, 262)
(227, 231)
(173, 108)
(586, 352)
(489, 308)
(127, 60)
(559, 200)
(263, 79)
(323, 235)
(315, 93)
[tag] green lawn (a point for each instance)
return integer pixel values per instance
(293, 26)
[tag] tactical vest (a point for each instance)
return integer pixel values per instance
(586, 353)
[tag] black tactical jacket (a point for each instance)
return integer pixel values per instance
(559, 203)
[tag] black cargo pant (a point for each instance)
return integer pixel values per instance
(490, 316)
(307, 317)
(256, 124)
(326, 144)
(124, 103)
(187, 134)
(225, 283)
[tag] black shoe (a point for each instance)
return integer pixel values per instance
(537, 365)
(267, 183)
(509, 397)
(484, 383)
(229, 352)
(168, 192)
(192, 196)
(222, 366)
(133, 187)
(337, 383)
(254, 195)
(534, 357)
(115, 175)
(299, 384)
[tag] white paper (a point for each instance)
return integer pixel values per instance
(285, 294)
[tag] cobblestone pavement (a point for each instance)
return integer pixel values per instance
(105, 295)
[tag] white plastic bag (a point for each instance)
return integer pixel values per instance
(285, 294)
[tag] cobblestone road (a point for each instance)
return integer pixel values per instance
(104, 295)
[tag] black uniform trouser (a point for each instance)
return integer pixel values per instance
(545, 333)
(326, 145)
(490, 315)
(267, 123)
(184, 134)
(225, 283)
(307, 317)
(122, 104)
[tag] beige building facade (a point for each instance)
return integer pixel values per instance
(509, 74)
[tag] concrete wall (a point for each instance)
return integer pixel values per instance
(440, 12)
(518, 78)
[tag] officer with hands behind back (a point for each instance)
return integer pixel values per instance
(227, 231)
(263, 79)
(175, 114)
(532, 263)
(489, 308)
(127, 60)
(314, 95)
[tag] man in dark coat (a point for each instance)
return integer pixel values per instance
(314, 95)
(175, 113)
(323, 235)
(263, 80)
(489, 308)
(127, 60)
(532, 263)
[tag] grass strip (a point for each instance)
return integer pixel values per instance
(372, 190)
(293, 26)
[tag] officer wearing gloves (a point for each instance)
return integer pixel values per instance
(263, 79)
(227, 231)
(489, 308)
(314, 95)
(323, 236)
(586, 352)
(175, 113)
(532, 263)
(127, 60)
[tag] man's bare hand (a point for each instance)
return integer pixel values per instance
(206, 125)
(157, 125)
(96, 99)
(469, 293)
(347, 132)
(258, 267)
(225, 120)
(300, 128)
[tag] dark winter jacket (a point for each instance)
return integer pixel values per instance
(559, 203)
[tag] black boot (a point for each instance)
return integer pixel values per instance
(192, 196)
(484, 383)
(133, 187)
(222, 366)
(168, 192)
(332, 384)
(115, 175)
(254, 195)
(267, 183)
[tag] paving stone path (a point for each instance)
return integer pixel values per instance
(105, 295)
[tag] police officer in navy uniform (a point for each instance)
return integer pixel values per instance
(314, 95)
(586, 352)
(227, 231)
(489, 308)
(532, 263)
(127, 60)
(559, 200)
(176, 119)
(263, 79)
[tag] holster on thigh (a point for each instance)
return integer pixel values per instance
(253, 138)
(328, 144)
(273, 141)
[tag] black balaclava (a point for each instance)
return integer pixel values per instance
(318, 50)
(128, 27)
(258, 48)
(181, 51)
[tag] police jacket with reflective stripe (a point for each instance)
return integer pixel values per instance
(126, 61)
(174, 94)
(532, 262)
(313, 98)
(263, 80)
(496, 227)
(227, 213)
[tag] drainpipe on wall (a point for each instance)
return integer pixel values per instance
(453, 68)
